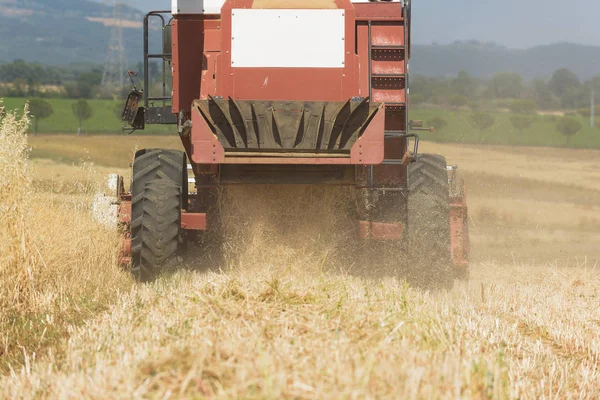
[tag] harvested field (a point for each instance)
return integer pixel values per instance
(288, 318)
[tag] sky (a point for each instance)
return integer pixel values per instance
(512, 23)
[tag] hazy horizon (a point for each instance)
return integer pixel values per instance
(515, 24)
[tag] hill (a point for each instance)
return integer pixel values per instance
(485, 59)
(62, 31)
(42, 31)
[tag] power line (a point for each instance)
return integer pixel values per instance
(115, 62)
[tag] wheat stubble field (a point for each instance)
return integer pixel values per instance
(285, 318)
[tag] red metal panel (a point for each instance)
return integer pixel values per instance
(388, 34)
(212, 50)
(212, 36)
(125, 256)
(293, 84)
(316, 84)
(125, 210)
(193, 221)
(187, 39)
(381, 11)
(362, 40)
(459, 233)
(196, 43)
(206, 148)
(369, 149)
(389, 90)
(388, 62)
(380, 231)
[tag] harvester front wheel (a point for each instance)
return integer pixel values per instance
(429, 223)
(160, 232)
(152, 165)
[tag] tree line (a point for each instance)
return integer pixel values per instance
(509, 92)
(564, 90)
(77, 81)
(41, 109)
(523, 114)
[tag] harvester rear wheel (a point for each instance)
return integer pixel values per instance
(150, 165)
(160, 232)
(429, 223)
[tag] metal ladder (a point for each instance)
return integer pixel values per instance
(372, 77)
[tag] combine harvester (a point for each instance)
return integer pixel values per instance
(289, 91)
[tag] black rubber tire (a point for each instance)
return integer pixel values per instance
(148, 165)
(430, 255)
(160, 233)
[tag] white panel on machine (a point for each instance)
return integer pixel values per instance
(287, 38)
(196, 6)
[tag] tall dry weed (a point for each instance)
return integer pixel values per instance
(57, 265)
(18, 262)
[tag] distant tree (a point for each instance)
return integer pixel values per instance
(543, 96)
(482, 121)
(416, 99)
(464, 85)
(458, 100)
(33, 86)
(39, 109)
(19, 88)
(521, 122)
(433, 89)
(566, 86)
(438, 123)
(568, 126)
(563, 81)
(86, 86)
(523, 107)
(82, 111)
(506, 85)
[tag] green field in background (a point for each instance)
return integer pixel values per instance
(104, 119)
(458, 130)
(542, 133)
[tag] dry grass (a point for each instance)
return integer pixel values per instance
(113, 151)
(530, 204)
(18, 260)
(57, 266)
(283, 315)
(515, 332)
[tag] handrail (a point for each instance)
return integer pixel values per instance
(148, 56)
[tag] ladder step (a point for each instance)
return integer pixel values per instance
(392, 76)
(395, 104)
(387, 47)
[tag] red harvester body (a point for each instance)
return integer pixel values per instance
(294, 91)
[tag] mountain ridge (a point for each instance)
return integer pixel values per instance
(42, 31)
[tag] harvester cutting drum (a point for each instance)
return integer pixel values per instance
(289, 110)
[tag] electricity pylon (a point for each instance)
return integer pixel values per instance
(115, 62)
